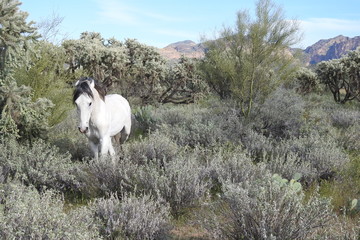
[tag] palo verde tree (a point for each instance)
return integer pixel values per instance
(20, 116)
(250, 60)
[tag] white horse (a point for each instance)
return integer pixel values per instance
(101, 117)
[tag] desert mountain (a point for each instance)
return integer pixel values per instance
(187, 48)
(332, 48)
(322, 50)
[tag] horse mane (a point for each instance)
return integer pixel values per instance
(83, 87)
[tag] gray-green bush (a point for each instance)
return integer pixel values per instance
(266, 209)
(182, 182)
(282, 114)
(27, 214)
(132, 218)
(38, 164)
(162, 170)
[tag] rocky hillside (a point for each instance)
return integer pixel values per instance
(187, 48)
(323, 50)
(331, 48)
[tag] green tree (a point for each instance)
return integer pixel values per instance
(47, 77)
(20, 116)
(250, 60)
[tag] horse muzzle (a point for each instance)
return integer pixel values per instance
(83, 130)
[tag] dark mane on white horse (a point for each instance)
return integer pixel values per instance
(109, 116)
(83, 87)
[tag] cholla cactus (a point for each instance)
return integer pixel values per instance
(20, 116)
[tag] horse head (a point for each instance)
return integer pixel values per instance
(86, 92)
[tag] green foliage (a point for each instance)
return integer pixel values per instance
(20, 116)
(48, 79)
(331, 73)
(242, 62)
(146, 71)
(103, 60)
(293, 184)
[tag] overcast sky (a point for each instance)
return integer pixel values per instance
(161, 22)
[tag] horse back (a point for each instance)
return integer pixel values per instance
(120, 112)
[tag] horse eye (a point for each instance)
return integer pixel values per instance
(90, 104)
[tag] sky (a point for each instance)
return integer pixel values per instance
(159, 23)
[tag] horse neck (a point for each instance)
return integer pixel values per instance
(99, 110)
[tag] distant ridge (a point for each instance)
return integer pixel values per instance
(323, 50)
(332, 48)
(185, 48)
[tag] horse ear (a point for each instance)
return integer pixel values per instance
(92, 83)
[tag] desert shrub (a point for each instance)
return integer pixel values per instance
(144, 119)
(155, 146)
(123, 174)
(266, 209)
(38, 164)
(349, 138)
(290, 165)
(196, 133)
(344, 118)
(256, 144)
(345, 122)
(313, 155)
(103, 176)
(27, 214)
(320, 151)
(234, 166)
(281, 114)
(68, 139)
(181, 179)
(132, 218)
(201, 126)
(181, 182)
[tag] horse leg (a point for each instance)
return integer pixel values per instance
(125, 132)
(106, 146)
(117, 138)
(94, 148)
